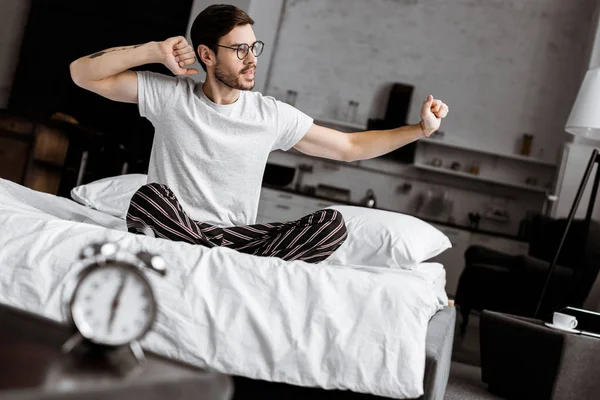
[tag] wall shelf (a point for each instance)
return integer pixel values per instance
(466, 175)
(516, 157)
(341, 124)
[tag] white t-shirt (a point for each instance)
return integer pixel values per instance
(213, 156)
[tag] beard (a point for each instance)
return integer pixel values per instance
(234, 80)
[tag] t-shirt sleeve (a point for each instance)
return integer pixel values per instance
(292, 125)
(154, 92)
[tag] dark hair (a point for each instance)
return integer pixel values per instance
(213, 23)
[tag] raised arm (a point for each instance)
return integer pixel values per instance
(329, 143)
(108, 74)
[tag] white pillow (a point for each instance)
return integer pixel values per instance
(110, 195)
(386, 239)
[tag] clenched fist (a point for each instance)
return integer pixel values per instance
(432, 112)
(177, 54)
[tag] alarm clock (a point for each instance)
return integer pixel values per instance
(111, 303)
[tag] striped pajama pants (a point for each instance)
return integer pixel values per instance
(311, 238)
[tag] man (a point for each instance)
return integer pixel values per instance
(212, 139)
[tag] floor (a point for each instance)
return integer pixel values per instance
(465, 384)
(465, 372)
(466, 349)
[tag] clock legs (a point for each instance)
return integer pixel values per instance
(138, 353)
(72, 342)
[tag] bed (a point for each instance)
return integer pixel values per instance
(275, 326)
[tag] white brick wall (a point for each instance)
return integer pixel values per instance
(504, 67)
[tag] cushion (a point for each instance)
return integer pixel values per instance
(386, 239)
(110, 195)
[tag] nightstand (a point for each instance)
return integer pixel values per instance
(33, 367)
(521, 358)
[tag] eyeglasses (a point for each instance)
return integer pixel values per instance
(243, 49)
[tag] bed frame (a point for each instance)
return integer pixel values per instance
(440, 337)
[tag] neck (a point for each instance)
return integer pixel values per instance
(218, 92)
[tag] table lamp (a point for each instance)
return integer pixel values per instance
(584, 121)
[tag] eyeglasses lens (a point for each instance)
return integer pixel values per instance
(257, 49)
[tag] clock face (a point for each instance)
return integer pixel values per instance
(113, 304)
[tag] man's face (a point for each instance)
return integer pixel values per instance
(229, 69)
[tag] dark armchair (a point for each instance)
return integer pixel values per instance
(512, 284)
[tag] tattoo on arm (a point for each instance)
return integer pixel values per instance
(98, 54)
(101, 53)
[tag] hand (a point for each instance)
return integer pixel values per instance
(432, 112)
(115, 303)
(177, 54)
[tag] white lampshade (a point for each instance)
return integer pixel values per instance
(584, 119)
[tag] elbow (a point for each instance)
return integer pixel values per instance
(76, 75)
(348, 157)
(350, 152)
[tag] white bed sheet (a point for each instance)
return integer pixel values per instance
(334, 327)
(436, 273)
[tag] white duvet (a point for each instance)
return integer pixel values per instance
(361, 328)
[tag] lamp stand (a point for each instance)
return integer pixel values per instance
(594, 159)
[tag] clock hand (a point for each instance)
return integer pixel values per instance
(115, 302)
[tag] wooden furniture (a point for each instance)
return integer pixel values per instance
(33, 367)
(55, 155)
(31, 153)
(49, 154)
(17, 140)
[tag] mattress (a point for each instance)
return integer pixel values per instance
(438, 357)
